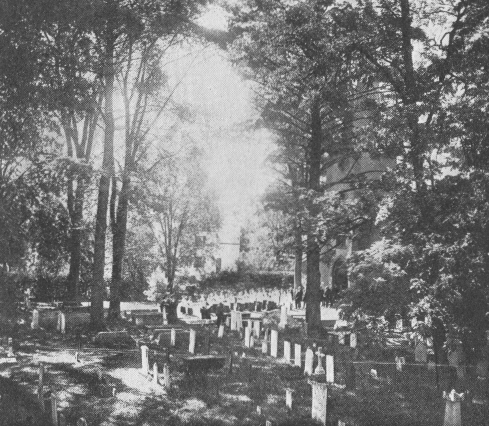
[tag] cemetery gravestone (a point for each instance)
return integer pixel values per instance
(257, 329)
(288, 398)
(453, 411)
(308, 368)
(421, 352)
(192, 340)
(287, 351)
(173, 337)
(319, 368)
(319, 401)
(330, 368)
(353, 340)
(283, 316)
(274, 344)
(144, 360)
(297, 355)
(220, 332)
(247, 337)
(35, 319)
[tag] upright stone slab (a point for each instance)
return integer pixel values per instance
(228, 321)
(40, 385)
(319, 401)
(54, 410)
(144, 359)
(220, 332)
(309, 362)
(289, 398)
(455, 359)
(453, 410)
(192, 340)
(287, 351)
(421, 352)
(297, 355)
(330, 368)
(247, 337)
(62, 322)
(274, 344)
(35, 319)
(283, 316)
(264, 347)
(166, 376)
(353, 340)
(233, 320)
(256, 328)
(164, 315)
(400, 361)
(155, 373)
(173, 337)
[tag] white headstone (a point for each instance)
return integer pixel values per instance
(247, 337)
(144, 359)
(35, 319)
(256, 328)
(399, 325)
(374, 374)
(233, 321)
(173, 337)
(192, 339)
(287, 351)
(61, 322)
(155, 373)
(288, 398)
(274, 344)
(353, 340)
(166, 376)
(283, 316)
(297, 355)
(228, 321)
(264, 347)
(330, 368)
(400, 361)
(165, 315)
(239, 320)
(308, 367)
(220, 332)
(453, 411)
(319, 401)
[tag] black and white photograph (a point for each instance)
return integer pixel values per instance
(244, 212)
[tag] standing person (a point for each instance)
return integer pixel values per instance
(298, 298)
(328, 296)
(220, 315)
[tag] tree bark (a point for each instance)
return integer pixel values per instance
(313, 286)
(98, 282)
(298, 257)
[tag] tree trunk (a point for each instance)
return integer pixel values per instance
(298, 258)
(313, 285)
(119, 247)
(76, 241)
(98, 282)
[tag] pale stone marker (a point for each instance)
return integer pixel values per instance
(319, 401)
(166, 376)
(239, 320)
(61, 322)
(233, 321)
(192, 339)
(35, 319)
(297, 355)
(247, 337)
(373, 373)
(264, 347)
(165, 316)
(155, 373)
(288, 398)
(453, 411)
(220, 332)
(274, 344)
(308, 367)
(228, 321)
(144, 360)
(421, 352)
(320, 369)
(399, 325)
(330, 368)
(400, 361)
(287, 351)
(341, 338)
(283, 316)
(353, 340)
(173, 337)
(256, 329)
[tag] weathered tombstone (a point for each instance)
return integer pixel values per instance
(421, 352)
(319, 401)
(165, 316)
(54, 410)
(35, 319)
(283, 316)
(288, 397)
(173, 337)
(220, 332)
(330, 368)
(297, 355)
(192, 339)
(155, 373)
(247, 337)
(373, 373)
(287, 351)
(453, 411)
(258, 410)
(40, 385)
(400, 361)
(239, 320)
(274, 344)
(233, 321)
(308, 367)
(256, 328)
(353, 340)
(264, 347)
(319, 368)
(228, 321)
(144, 359)
(166, 376)
(61, 322)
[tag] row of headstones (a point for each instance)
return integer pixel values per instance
(153, 375)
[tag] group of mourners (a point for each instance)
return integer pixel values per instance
(328, 298)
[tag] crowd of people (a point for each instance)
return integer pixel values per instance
(328, 297)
